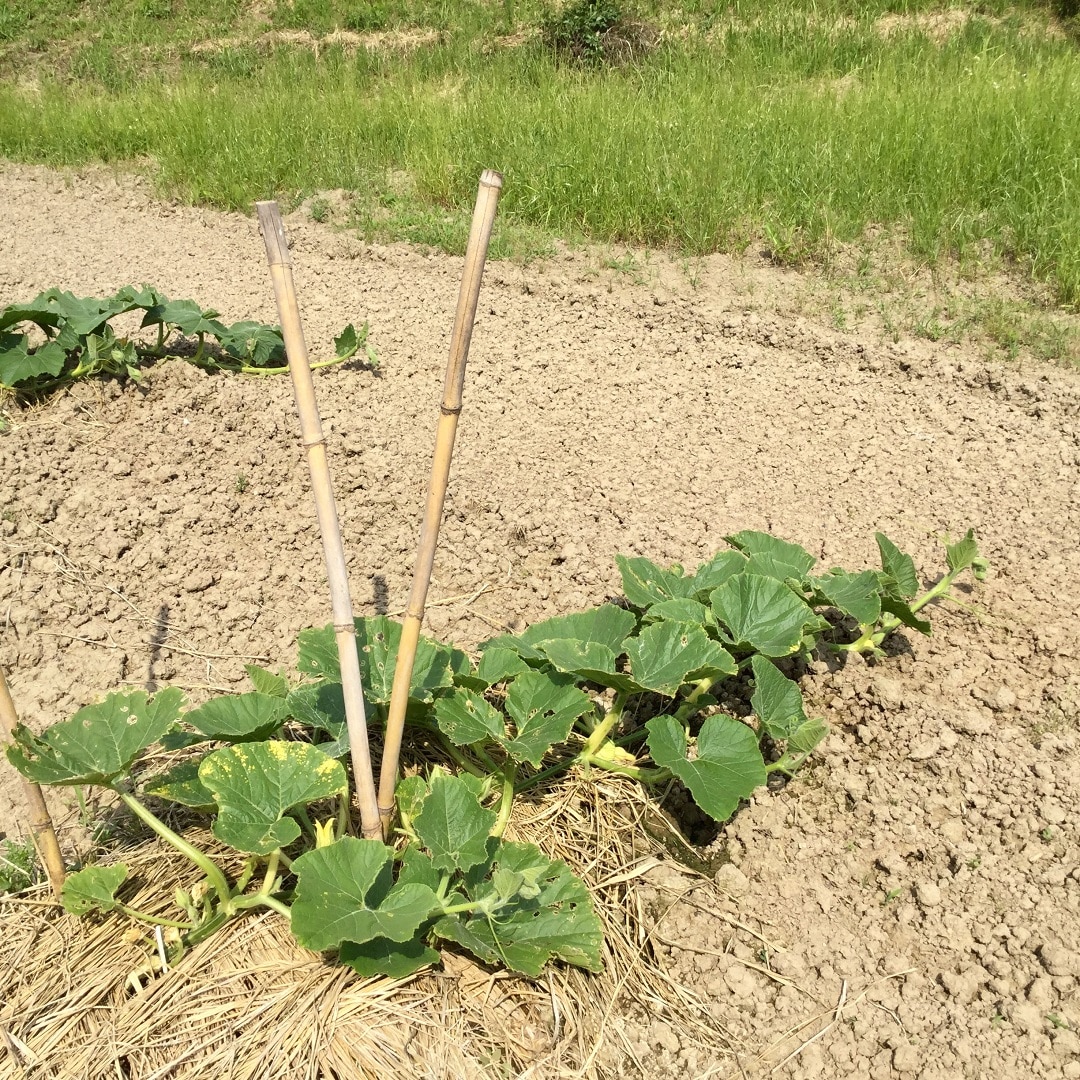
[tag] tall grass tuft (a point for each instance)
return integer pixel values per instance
(782, 126)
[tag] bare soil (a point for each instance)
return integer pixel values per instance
(914, 896)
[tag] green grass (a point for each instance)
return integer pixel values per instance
(797, 124)
(19, 867)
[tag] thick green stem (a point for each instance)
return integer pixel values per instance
(607, 725)
(506, 804)
(635, 772)
(462, 760)
(271, 873)
(344, 803)
(214, 875)
(246, 369)
(788, 765)
(259, 899)
(690, 702)
(459, 909)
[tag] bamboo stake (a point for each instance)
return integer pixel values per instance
(280, 262)
(41, 827)
(487, 199)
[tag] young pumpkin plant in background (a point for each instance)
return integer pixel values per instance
(81, 342)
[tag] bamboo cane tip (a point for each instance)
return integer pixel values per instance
(490, 178)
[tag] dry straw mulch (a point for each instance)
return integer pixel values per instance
(251, 1003)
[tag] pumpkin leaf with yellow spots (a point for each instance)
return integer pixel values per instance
(257, 784)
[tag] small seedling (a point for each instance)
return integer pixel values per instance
(320, 210)
(890, 896)
(241, 483)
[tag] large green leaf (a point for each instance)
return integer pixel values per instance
(770, 565)
(465, 717)
(667, 654)
(18, 362)
(552, 918)
(187, 316)
(266, 682)
(605, 625)
(41, 311)
(73, 316)
(381, 956)
(377, 641)
(93, 889)
(100, 742)
(857, 595)
(256, 784)
(588, 660)
(543, 706)
(132, 297)
(453, 826)
(684, 610)
(497, 664)
(771, 548)
(899, 566)
(761, 614)
(253, 343)
(777, 701)
(713, 573)
(321, 706)
(249, 717)
(317, 653)
(345, 892)
(727, 768)
(645, 583)
(181, 784)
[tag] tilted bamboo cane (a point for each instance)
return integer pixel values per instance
(41, 827)
(280, 262)
(487, 199)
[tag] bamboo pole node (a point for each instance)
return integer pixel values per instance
(317, 441)
(450, 410)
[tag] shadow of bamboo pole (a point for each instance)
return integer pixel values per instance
(280, 262)
(41, 827)
(487, 199)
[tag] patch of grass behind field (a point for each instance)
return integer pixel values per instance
(802, 125)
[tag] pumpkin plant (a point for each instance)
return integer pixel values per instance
(626, 687)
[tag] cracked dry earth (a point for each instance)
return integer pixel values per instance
(913, 897)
